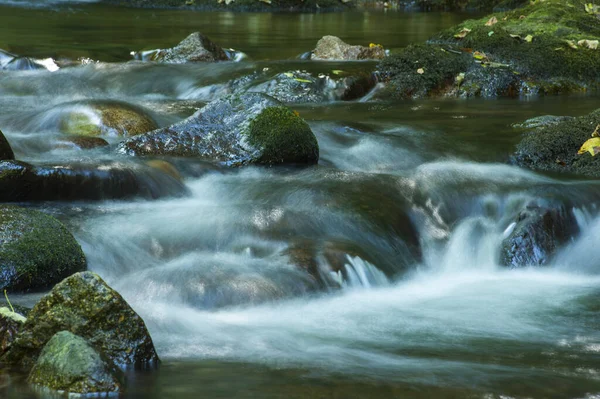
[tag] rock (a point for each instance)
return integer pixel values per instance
(194, 48)
(10, 324)
(104, 118)
(86, 306)
(36, 250)
(6, 152)
(5, 58)
(537, 235)
(542, 121)
(251, 128)
(83, 142)
(332, 48)
(68, 363)
(20, 181)
(553, 146)
(529, 51)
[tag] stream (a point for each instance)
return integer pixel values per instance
(212, 273)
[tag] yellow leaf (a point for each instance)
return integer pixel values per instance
(492, 21)
(591, 44)
(303, 80)
(528, 38)
(596, 132)
(372, 45)
(478, 55)
(289, 74)
(571, 44)
(266, 1)
(592, 146)
(337, 72)
(464, 32)
(420, 71)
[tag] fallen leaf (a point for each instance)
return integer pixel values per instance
(490, 33)
(492, 21)
(266, 1)
(302, 80)
(528, 38)
(592, 146)
(337, 72)
(459, 78)
(420, 71)
(591, 44)
(522, 17)
(373, 45)
(464, 32)
(478, 55)
(289, 74)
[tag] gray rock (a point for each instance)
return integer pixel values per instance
(68, 363)
(236, 130)
(86, 306)
(332, 48)
(194, 48)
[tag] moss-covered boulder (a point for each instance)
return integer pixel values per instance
(36, 250)
(194, 48)
(332, 48)
(86, 306)
(6, 151)
(68, 363)
(251, 128)
(104, 118)
(21, 181)
(10, 324)
(546, 47)
(553, 146)
(536, 236)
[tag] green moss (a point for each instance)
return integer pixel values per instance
(553, 147)
(282, 137)
(439, 69)
(36, 250)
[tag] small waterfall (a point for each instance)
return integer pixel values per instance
(359, 273)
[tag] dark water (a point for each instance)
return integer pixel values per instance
(212, 275)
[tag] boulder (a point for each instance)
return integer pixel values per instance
(332, 48)
(36, 250)
(6, 152)
(68, 363)
(104, 118)
(21, 181)
(194, 48)
(82, 142)
(553, 146)
(545, 47)
(86, 306)
(251, 128)
(537, 234)
(10, 324)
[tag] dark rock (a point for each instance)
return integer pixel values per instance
(104, 118)
(332, 48)
(86, 306)
(10, 324)
(194, 48)
(537, 235)
(20, 181)
(553, 146)
(68, 363)
(36, 250)
(6, 152)
(83, 142)
(237, 130)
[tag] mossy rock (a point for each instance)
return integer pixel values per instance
(105, 118)
(553, 146)
(86, 306)
(36, 250)
(6, 152)
(10, 324)
(250, 128)
(68, 363)
(83, 142)
(332, 48)
(194, 48)
(283, 136)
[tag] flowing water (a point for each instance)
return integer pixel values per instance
(424, 312)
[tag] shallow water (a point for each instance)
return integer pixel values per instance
(212, 274)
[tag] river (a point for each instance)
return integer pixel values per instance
(212, 274)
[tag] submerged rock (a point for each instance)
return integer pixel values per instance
(543, 48)
(68, 363)
(10, 324)
(104, 118)
(553, 146)
(332, 48)
(36, 250)
(536, 236)
(86, 306)
(194, 48)
(83, 142)
(251, 128)
(6, 152)
(20, 181)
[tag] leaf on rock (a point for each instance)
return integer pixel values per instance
(528, 38)
(492, 21)
(571, 44)
(480, 56)
(463, 33)
(337, 72)
(420, 71)
(592, 146)
(490, 33)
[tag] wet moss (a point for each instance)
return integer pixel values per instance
(36, 250)
(282, 137)
(553, 147)
(422, 69)
(6, 152)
